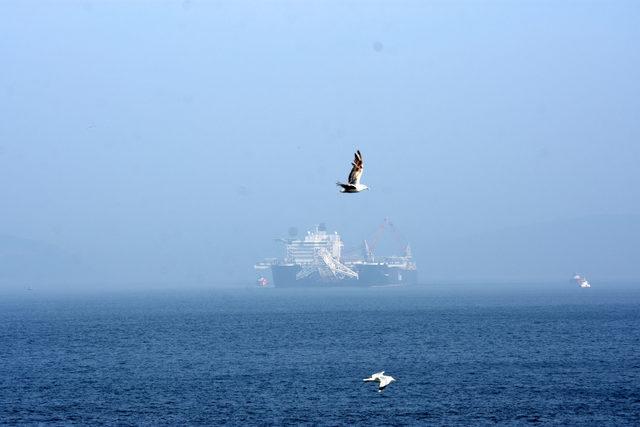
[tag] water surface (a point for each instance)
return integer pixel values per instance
(467, 355)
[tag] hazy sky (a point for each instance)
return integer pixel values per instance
(175, 140)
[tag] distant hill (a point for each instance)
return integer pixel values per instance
(25, 262)
(605, 247)
(600, 247)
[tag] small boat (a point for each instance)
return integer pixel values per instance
(262, 282)
(581, 281)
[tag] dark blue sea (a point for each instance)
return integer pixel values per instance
(461, 355)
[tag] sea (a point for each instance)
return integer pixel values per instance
(472, 355)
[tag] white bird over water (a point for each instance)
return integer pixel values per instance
(384, 380)
(354, 186)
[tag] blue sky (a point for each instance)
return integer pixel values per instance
(175, 140)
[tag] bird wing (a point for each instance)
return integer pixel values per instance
(384, 381)
(374, 377)
(356, 170)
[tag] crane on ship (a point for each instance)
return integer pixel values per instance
(369, 245)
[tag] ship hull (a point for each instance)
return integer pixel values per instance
(284, 276)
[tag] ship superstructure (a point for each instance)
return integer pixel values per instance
(581, 281)
(316, 259)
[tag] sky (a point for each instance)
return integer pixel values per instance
(174, 141)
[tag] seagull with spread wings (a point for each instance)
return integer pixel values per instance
(353, 185)
(383, 379)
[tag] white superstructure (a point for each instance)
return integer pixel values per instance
(318, 252)
(581, 281)
(304, 251)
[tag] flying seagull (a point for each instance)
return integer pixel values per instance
(354, 186)
(384, 380)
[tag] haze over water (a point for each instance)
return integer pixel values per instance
(173, 141)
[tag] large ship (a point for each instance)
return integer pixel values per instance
(317, 259)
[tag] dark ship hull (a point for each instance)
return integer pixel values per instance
(370, 274)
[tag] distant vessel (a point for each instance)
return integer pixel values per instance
(581, 281)
(262, 282)
(317, 260)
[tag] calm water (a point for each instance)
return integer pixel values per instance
(461, 355)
